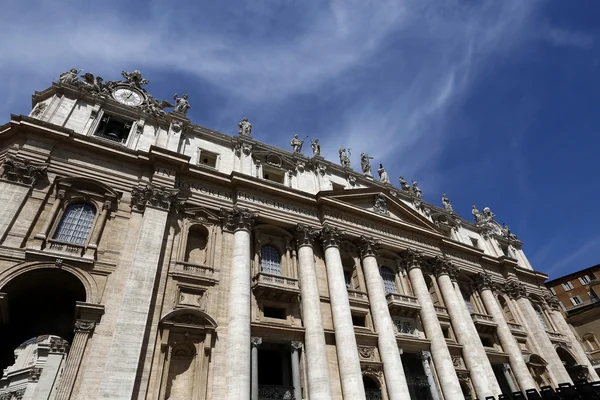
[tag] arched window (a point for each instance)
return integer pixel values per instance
(508, 315)
(541, 317)
(467, 298)
(270, 260)
(76, 223)
(389, 280)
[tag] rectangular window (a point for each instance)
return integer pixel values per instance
(584, 279)
(553, 291)
(274, 312)
(593, 296)
(567, 286)
(207, 158)
(348, 278)
(487, 341)
(359, 320)
(337, 186)
(446, 332)
(474, 242)
(576, 300)
(113, 128)
(273, 175)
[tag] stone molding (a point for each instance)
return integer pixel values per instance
(22, 170)
(484, 281)
(441, 265)
(331, 236)
(412, 258)
(14, 395)
(305, 235)
(155, 196)
(34, 374)
(237, 218)
(255, 341)
(368, 246)
(366, 352)
(59, 345)
(82, 325)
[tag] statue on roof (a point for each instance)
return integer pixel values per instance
(365, 164)
(134, 78)
(70, 77)
(505, 230)
(182, 104)
(92, 84)
(316, 148)
(344, 158)
(415, 191)
(446, 203)
(403, 184)
(476, 213)
(383, 176)
(245, 127)
(296, 144)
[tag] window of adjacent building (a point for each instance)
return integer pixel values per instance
(591, 342)
(576, 300)
(389, 280)
(553, 291)
(593, 296)
(584, 279)
(273, 175)
(113, 128)
(76, 223)
(207, 158)
(359, 320)
(475, 242)
(270, 260)
(567, 286)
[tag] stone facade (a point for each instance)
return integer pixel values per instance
(182, 263)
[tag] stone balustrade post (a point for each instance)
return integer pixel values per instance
(442, 360)
(347, 351)
(393, 370)
(319, 385)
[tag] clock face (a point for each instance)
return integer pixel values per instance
(128, 97)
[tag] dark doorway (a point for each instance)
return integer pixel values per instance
(40, 302)
(418, 385)
(372, 388)
(503, 380)
(275, 372)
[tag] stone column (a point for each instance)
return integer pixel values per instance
(393, 370)
(442, 360)
(296, 346)
(509, 379)
(256, 341)
(347, 351)
(83, 330)
(537, 333)
(240, 222)
(563, 327)
(95, 237)
(425, 356)
(126, 346)
(473, 352)
(507, 340)
(319, 386)
(43, 234)
(18, 176)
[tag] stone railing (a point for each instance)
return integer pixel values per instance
(194, 269)
(482, 318)
(556, 336)
(402, 298)
(274, 392)
(73, 249)
(441, 310)
(402, 304)
(277, 280)
(357, 295)
(516, 328)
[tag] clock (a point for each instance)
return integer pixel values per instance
(128, 96)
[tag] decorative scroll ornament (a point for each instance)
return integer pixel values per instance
(458, 362)
(237, 218)
(552, 301)
(515, 289)
(158, 197)
(380, 204)
(366, 352)
(305, 235)
(412, 258)
(484, 281)
(331, 236)
(82, 325)
(368, 246)
(39, 110)
(23, 170)
(59, 345)
(441, 265)
(13, 395)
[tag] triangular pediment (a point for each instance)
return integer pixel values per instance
(380, 203)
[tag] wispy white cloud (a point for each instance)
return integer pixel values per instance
(564, 37)
(571, 262)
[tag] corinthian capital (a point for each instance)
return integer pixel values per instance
(155, 196)
(443, 266)
(22, 170)
(58, 345)
(515, 289)
(82, 325)
(305, 235)
(484, 281)
(552, 301)
(237, 218)
(412, 258)
(368, 246)
(331, 236)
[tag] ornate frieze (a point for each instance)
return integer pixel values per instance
(368, 246)
(305, 235)
(154, 196)
(367, 352)
(484, 281)
(22, 170)
(82, 325)
(59, 345)
(237, 218)
(331, 236)
(412, 258)
(441, 265)
(380, 204)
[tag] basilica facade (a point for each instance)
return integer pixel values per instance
(143, 256)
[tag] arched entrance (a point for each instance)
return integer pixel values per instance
(576, 372)
(40, 302)
(372, 388)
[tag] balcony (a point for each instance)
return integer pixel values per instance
(483, 322)
(517, 330)
(273, 392)
(442, 313)
(358, 298)
(557, 337)
(275, 287)
(195, 272)
(403, 305)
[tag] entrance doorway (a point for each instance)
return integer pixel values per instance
(372, 388)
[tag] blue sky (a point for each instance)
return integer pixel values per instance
(493, 102)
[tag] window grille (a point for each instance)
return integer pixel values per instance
(270, 260)
(389, 280)
(76, 223)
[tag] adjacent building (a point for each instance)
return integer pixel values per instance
(143, 256)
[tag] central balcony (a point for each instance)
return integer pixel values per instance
(275, 287)
(557, 337)
(484, 323)
(274, 392)
(403, 305)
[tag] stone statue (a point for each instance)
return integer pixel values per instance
(403, 184)
(344, 159)
(69, 77)
(182, 104)
(446, 203)
(476, 213)
(316, 148)
(505, 229)
(365, 164)
(91, 84)
(383, 176)
(296, 144)
(488, 214)
(134, 78)
(380, 204)
(245, 127)
(416, 191)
